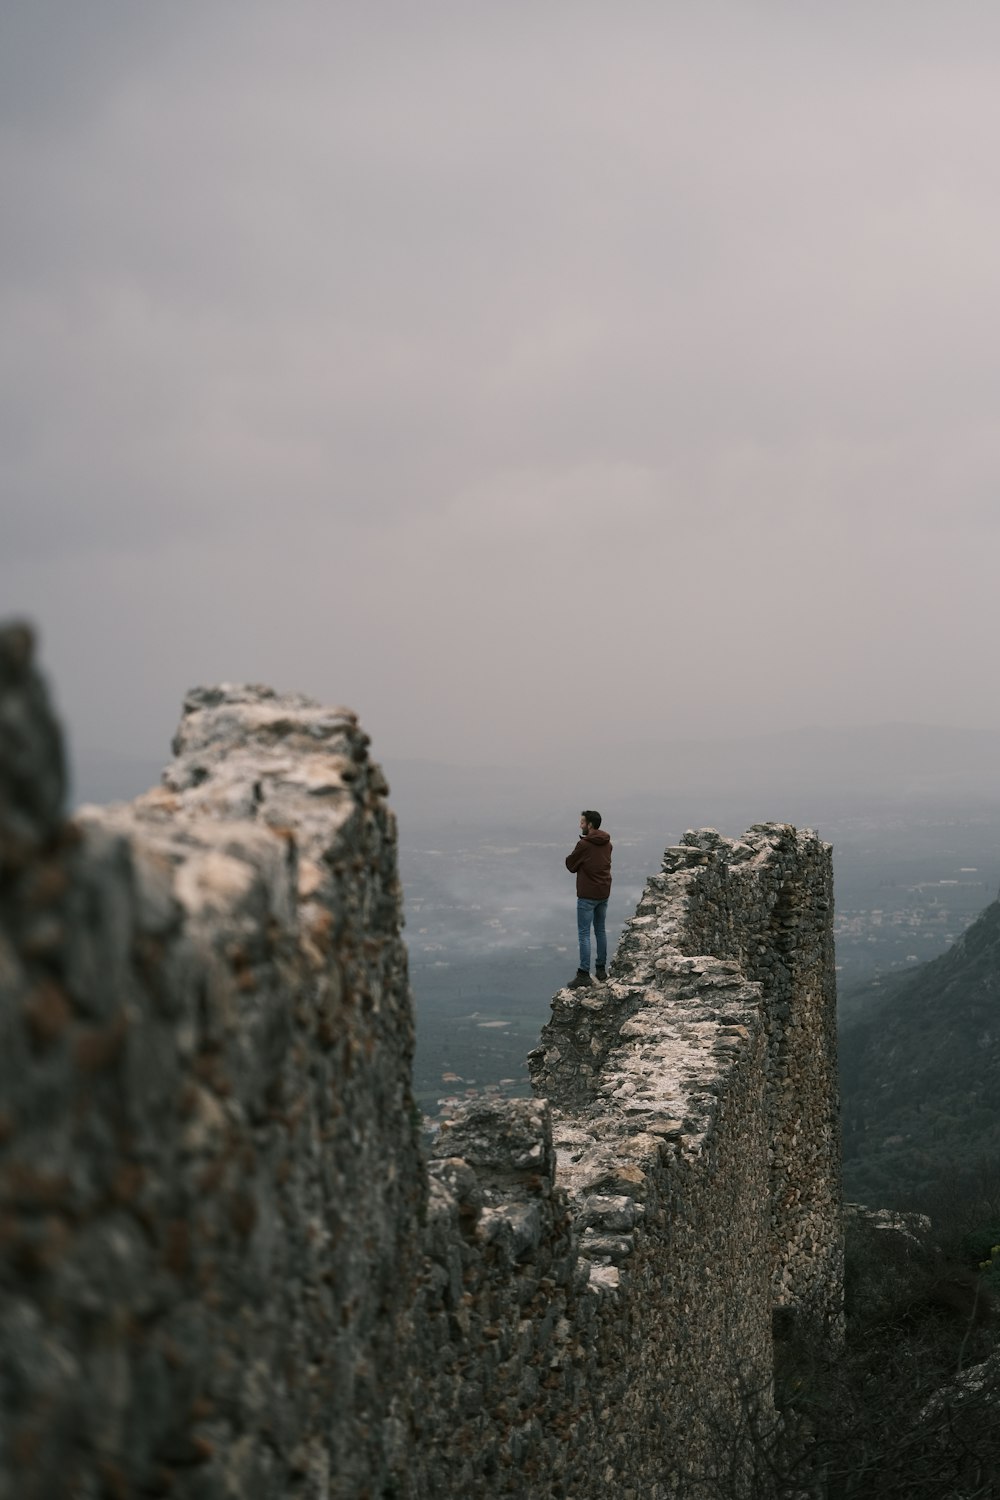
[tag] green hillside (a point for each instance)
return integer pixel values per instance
(920, 1077)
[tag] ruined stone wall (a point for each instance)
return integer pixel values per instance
(210, 1186)
(615, 1311)
(226, 1269)
(766, 902)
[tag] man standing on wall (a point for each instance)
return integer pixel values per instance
(590, 862)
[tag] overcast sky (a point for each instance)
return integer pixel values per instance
(512, 372)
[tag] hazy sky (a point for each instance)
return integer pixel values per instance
(513, 372)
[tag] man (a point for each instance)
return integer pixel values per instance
(590, 862)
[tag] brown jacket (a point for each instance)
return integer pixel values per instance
(591, 863)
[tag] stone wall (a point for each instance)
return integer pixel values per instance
(210, 1183)
(226, 1269)
(764, 903)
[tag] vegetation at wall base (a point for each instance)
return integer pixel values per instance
(911, 1408)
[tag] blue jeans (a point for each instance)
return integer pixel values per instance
(587, 912)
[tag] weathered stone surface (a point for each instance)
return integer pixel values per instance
(32, 764)
(211, 1190)
(226, 1269)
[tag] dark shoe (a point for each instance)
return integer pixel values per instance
(581, 981)
(602, 973)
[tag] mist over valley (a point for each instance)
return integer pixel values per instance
(913, 813)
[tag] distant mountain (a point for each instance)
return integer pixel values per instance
(793, 775)
(899, 761)
(921, 1073)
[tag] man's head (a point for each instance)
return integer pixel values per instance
(590, 820)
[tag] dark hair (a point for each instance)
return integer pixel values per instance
(593, 818)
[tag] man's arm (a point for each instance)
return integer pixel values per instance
(576, 859)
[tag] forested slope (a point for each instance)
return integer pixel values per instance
(921, 1077)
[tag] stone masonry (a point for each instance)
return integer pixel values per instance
(227, 1271)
